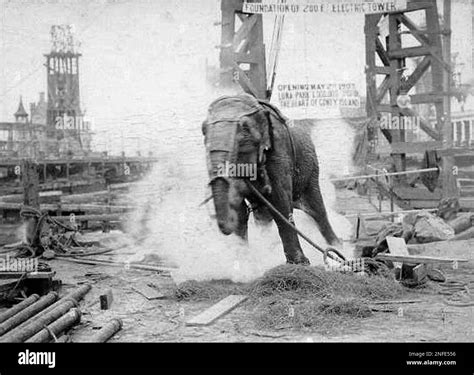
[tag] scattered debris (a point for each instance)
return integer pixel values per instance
(106, 300)
(147, 291)
(430, 228)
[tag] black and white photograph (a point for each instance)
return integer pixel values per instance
(236, 171)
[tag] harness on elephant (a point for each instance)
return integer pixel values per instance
(248, 106)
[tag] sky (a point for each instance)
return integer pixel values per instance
(144, 61)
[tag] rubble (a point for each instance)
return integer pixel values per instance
(430, 228)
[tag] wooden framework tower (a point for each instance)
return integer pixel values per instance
(242, 56)
(389, 95)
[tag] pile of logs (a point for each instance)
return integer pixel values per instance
(48, 318)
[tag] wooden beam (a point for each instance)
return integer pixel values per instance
(245, 82)
(414, 259)
(216, 311)
(383, 89)
(243, 31)
(448, 178)
(381, 52)
(247, 58)
(421, 69)
(415, 31)
(426, 98)
(425, 126)
(385, 108)
(382, 70)
(409, 52)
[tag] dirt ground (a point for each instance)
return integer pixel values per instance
(164, 319)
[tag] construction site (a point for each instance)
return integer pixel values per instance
(111, 225)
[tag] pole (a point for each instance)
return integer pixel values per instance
(449, 179)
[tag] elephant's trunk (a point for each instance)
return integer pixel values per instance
(220, 192)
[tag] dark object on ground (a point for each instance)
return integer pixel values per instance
(106, 300)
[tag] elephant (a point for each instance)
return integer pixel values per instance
(279, 159)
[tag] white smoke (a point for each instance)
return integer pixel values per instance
(170, 223)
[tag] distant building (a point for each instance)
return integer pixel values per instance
(38, 110)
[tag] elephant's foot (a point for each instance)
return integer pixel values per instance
(297, 259)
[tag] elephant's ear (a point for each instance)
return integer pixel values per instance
(267, 135)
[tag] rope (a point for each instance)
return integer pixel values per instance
(426, 170)
(326, 253)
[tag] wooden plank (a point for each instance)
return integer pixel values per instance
(147, 291)
(414, 259)
(216, 311)
(397, 246)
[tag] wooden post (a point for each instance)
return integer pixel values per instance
(395, 43)
(449, 179)
(30, 180)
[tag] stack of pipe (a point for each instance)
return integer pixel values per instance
(41, 319)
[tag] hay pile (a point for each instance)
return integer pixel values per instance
(291, 296)
(208, 290)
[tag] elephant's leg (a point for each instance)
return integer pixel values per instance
(243, 218)
(281, 199)
(314, 207)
